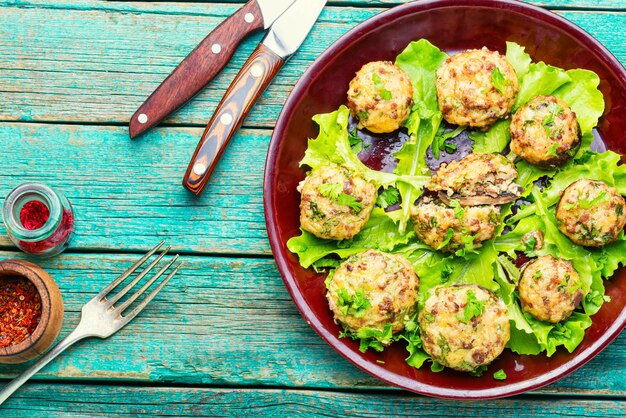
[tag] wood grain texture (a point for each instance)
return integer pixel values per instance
(94, 61)
(197, 68)
(60, 400)
(571, 4)
(255, 75)
(121, 204)
(230, 321)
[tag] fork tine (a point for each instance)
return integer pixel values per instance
(126, 319)
(128, 272)
(140, 276)
(143, 288)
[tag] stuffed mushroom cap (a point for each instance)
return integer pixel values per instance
(477, 179)
(335, 204)
(476, 88)
(451, 229)
(464, 327)
(591, 213)
(545, 132)
(550, 289)
(373, 289)
(380, 96)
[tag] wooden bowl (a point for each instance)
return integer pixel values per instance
(51, 312)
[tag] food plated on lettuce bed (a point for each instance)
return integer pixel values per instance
(494, 227)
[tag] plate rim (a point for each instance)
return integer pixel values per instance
(279, 249)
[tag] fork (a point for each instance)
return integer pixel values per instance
(100, 318)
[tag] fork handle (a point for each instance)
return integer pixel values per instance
(16, 383)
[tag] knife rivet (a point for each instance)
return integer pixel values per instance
(226, 119)
(199, 169)
(256, 71)
(216, 48)
(249, 17)
(142, 118)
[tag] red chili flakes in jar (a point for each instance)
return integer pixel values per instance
(20, 309)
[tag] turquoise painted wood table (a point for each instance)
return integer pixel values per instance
(223, 338)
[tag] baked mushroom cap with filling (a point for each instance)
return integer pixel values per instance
(380, 96)
(464, 327)
(453, 228)
(335, 204)
(545, 132)
(477, 179)
(476, 87)
(591, 213)
(549, 288)
(373, 289)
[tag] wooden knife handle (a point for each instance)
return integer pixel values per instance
(245, 89)
(198, 68)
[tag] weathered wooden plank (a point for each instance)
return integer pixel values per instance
(570, 4)
(230, 321)
(99, 62)
(60, 400)
(128, 194)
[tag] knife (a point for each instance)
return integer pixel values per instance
(205, 62)
(283, 39)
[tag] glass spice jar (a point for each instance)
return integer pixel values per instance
(38, 219)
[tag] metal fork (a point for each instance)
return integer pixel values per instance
(100, 318)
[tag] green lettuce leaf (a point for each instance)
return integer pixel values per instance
(380, 232)
(540, 80)
(519, 59)
(583, 96)
(494, 140)
(332, 145)
(420, 61)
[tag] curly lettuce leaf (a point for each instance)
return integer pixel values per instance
(380, 232)
(495, 139)
(332, 145)
(420, 61)
(584, 97)
(519, 59)
(540, 80)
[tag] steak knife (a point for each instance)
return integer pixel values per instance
(205, 62)
(280, 43)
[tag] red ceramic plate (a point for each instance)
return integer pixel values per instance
(452, 25)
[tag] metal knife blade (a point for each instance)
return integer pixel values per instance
(284, 38)
(272, 9)
(291, 29)
(205, 62)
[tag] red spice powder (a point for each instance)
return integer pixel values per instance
(59, 237)
(34, 215)
(20, 309)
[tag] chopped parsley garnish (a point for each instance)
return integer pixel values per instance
(548, 121)
(446, 273)
(317, 214)
(389, 196)
(619, 210)
(499, 375)
(473, 308)
(441, 138)
(334, 191)
(347, 200)
(498, 80)
(446, 241)
(380, 87)
(478, 372)
(331, 190)
(363, 115)
(603, 197)
(356, 303)
(458, 209)
(356, 143)
(430, 318)
(552, 150)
